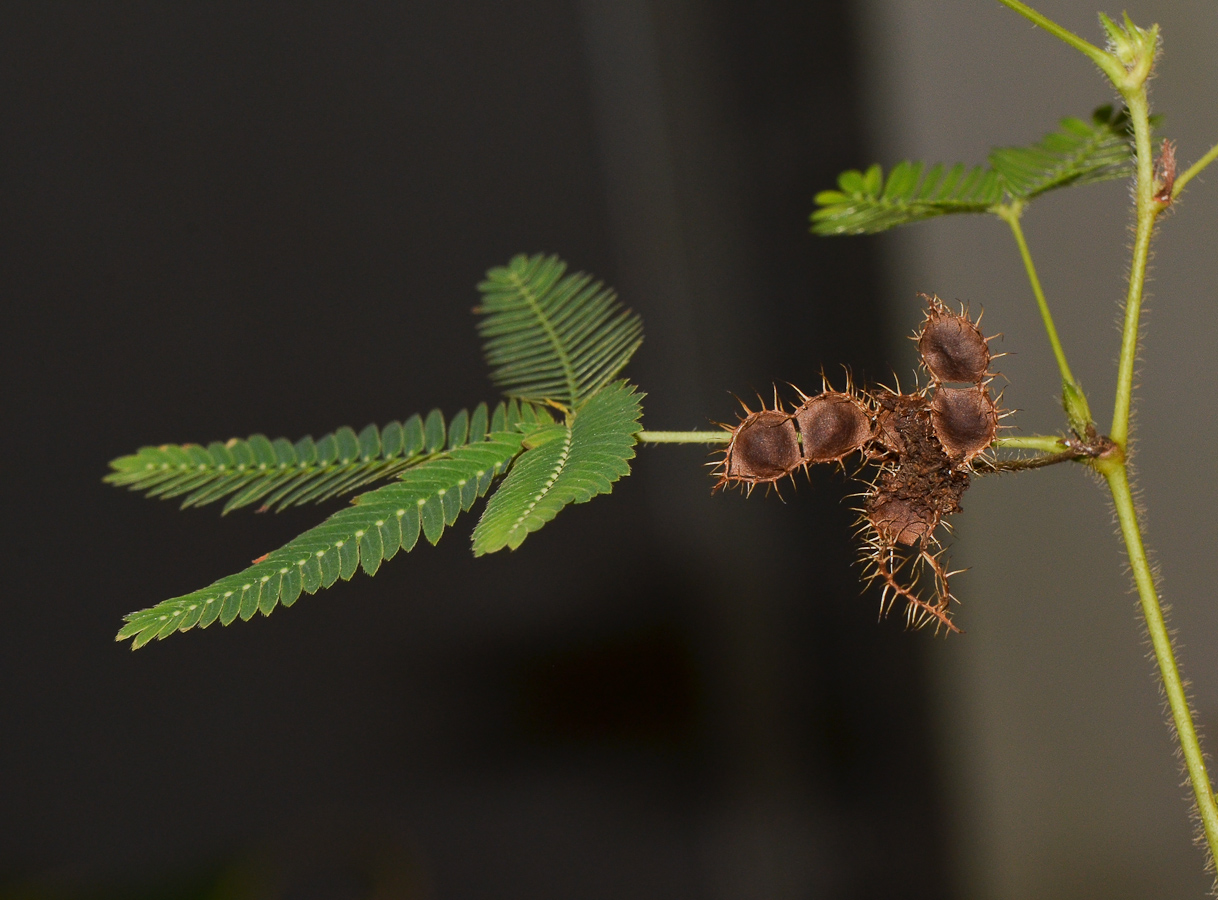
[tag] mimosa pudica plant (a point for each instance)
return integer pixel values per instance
(568, 426)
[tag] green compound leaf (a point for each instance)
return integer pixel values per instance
(553, 338)
(278, 473)
(428, 498)
(565, 463)
(867, 204)
(1078, 153)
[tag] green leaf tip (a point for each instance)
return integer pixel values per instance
(278, 473)
(576, 461)
(426, 499)
(1079, 152)
(1078, 412)
(550, 337)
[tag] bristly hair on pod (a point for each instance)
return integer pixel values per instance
(763, 449)
(832, 425)
(965, 420)
(951, 345)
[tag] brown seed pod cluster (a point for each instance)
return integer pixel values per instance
(917, 452)
(771, 444)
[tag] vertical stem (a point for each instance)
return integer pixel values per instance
(1128, 67)
(1118, 482)
(1147, 211)
(1116, 473)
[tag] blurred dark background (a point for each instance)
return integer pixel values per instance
(270, 217)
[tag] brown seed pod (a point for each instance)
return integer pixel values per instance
(965, 420)
(898, 521)
(832, 425)
(763, 449)
(952, 346)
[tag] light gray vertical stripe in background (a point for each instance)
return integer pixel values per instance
(1063, 778)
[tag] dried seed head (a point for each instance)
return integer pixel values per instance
(832, 426)
(763, 449)
(965, 420)
(887, 435)
(920, 444)
(952, 346)
(901, 422)
(899, 521)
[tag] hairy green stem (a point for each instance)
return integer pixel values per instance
(1115, 469)
(1192, 171)
(1118, 482)
(1148, 210)
(1078, 412)
(1047, 443)
(1032, 442)
(1010, 213)
(684, 437)
(1128, 68)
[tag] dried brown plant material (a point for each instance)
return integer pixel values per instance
(965, 420)
(921, 446)
(899, 521)
(764, 448)
(916, 487)
(923, 479)
(832, 425)
(906, 577)
(888, 441)
(952, 346)
(903, 508)
(1165, 172)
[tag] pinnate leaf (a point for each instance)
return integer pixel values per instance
(279, 473)
(1079, 152)
(550, 338)
(427, 498)
(567, 463)
(866, 203)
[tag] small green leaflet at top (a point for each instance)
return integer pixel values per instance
(550, 338)
(1077, 153)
